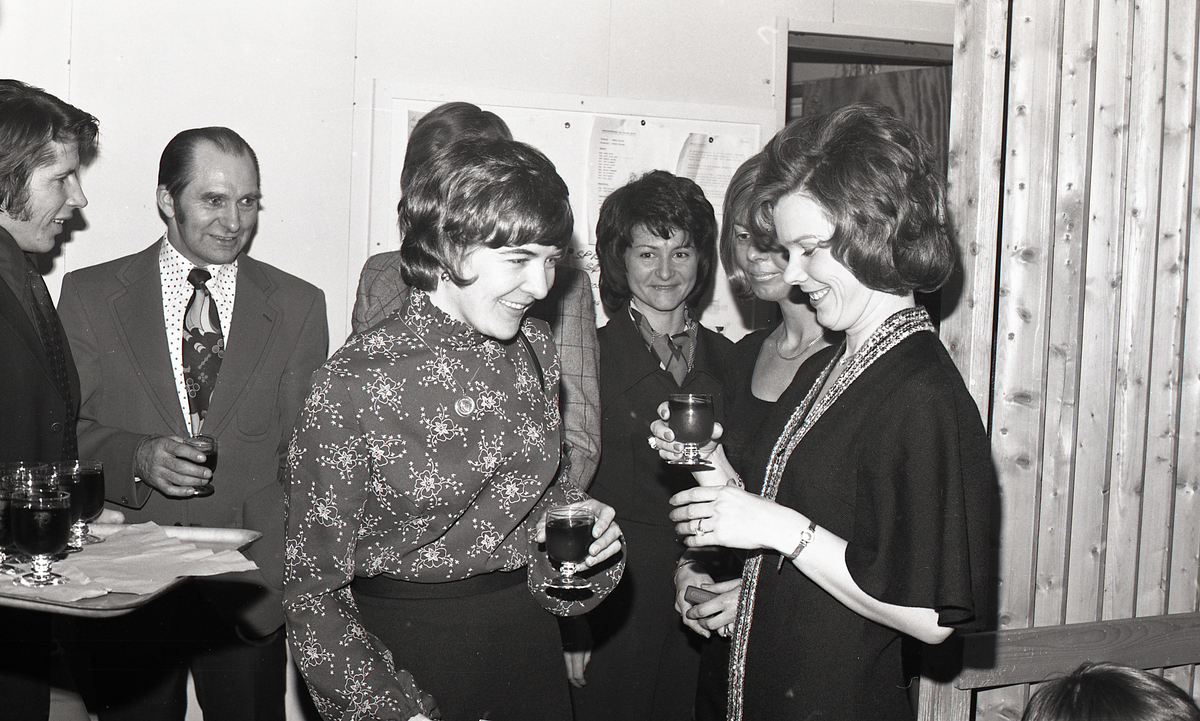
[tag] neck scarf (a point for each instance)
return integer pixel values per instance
(676, 353)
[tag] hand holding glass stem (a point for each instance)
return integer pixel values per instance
(605, 531)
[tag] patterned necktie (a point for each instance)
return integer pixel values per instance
(50, 330)
(203, 347)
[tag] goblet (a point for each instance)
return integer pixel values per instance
(13, 477)
(568, 535)
(84, 480)
(692, 419)
(208, 446)
(41, 526)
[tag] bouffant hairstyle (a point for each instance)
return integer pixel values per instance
(31, 119)
(1110, 692)
(479, 192)
(879, 184)
(447, 123)
(739, 197)
(663, 204)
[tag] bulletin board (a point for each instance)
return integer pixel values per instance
(597, 145)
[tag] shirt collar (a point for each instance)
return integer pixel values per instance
(168, 252)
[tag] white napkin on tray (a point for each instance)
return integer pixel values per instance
(138, 558)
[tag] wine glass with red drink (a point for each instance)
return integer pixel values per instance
(41, 527)
(84, 480)
(208, 446)
(568, 536)
(12, 475)
(692, 420)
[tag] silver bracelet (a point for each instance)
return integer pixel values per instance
(806, 537)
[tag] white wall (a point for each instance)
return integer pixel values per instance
(295, 78)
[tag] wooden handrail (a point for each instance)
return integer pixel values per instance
(1032, 655)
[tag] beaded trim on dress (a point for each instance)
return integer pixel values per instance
(887, 336)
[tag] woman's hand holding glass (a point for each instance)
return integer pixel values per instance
(733, 518)
(605, 531)
(716, 469)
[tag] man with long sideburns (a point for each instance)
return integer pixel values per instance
(192, 336)
(41, 142)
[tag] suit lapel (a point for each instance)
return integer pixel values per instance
(137, 312)
(251, 333)
(12, 314)
(633, 361)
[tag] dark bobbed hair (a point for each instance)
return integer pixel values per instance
(31, 119)
(176, 166)
(739, 197)
(479, 192)
(1110, 692)
(880, 186)
(447, 123)
(661, 203)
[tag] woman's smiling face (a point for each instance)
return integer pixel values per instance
(661, 271)
(507, 281)
(763, 269)
(841, 301)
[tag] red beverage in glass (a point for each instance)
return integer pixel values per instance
(692, 420)
(40, 529)
(568, 538)
(208, 446)
(568, 535)
(91, 489)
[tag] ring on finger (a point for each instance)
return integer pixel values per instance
(653, 442)
(700, 527)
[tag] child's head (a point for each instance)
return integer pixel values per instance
(1110, 692)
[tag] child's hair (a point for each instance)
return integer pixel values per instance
(1110, 692)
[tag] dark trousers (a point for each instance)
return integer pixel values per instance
(134, 667)
(25, 647)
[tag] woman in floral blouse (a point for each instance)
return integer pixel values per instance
(426, 458)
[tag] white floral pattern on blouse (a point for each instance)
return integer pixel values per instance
(388, 478)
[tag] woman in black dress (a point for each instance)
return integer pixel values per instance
(872, 522)
(656, 239)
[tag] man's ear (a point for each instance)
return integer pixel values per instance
(166, 203)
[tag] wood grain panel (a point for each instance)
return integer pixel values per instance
(1097, 379)
(1177, 26)
(1136, 287)
(1064, 360)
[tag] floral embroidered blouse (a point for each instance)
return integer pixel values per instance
(389, 476)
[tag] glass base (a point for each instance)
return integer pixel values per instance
(566, 579)
(690, 456)
(565, 584)
(32, 580)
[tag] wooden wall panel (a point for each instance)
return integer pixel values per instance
(1095, 390)
(973, 192)
(1163, 413)
(1136, 296)
(1102, 273)
(1064, 357)
(1179, 168)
